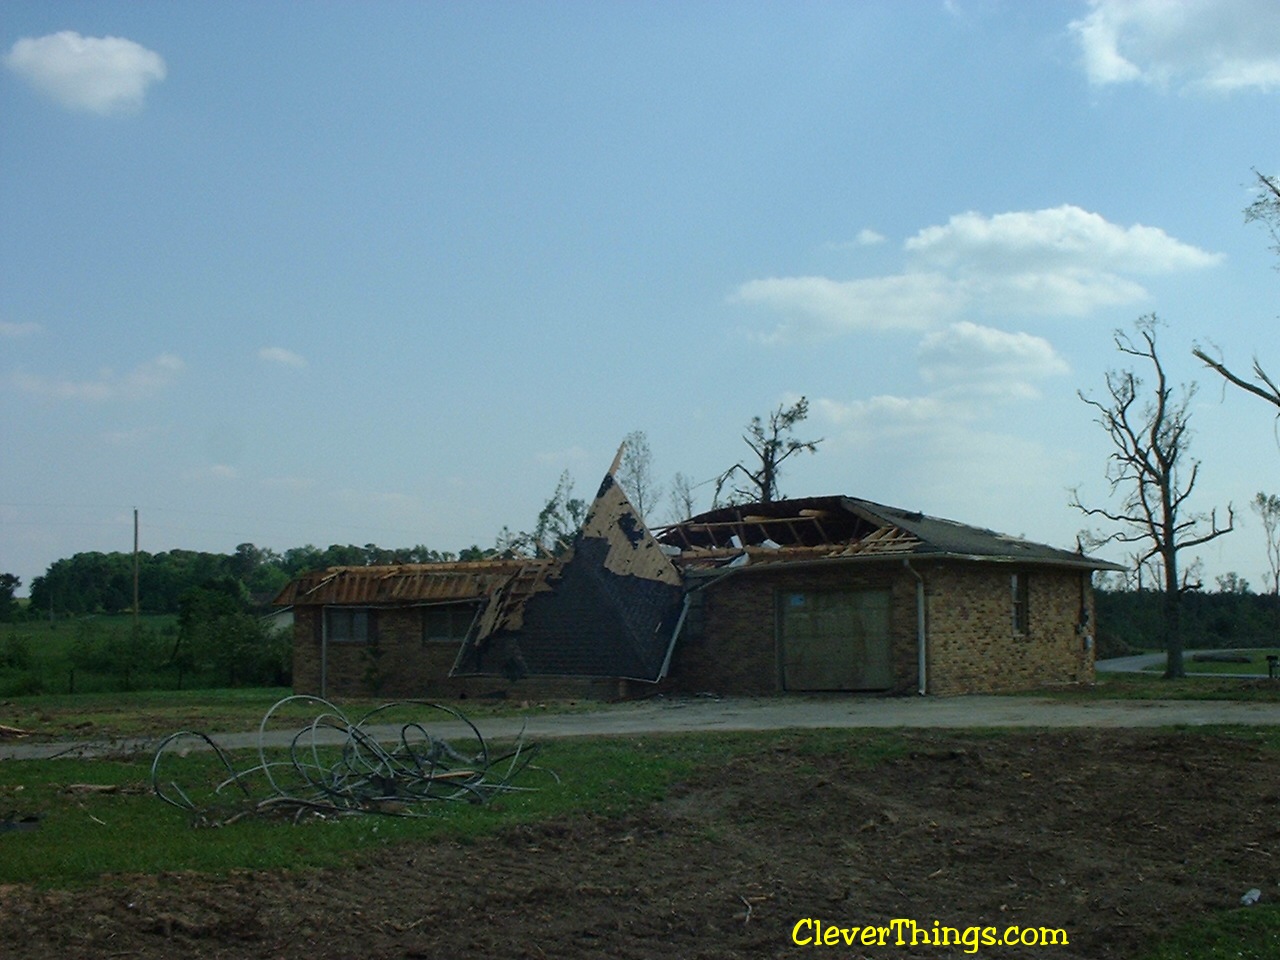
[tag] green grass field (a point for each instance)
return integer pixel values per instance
(1144, 685)
(85, 654)
(102, 653)
(1257, 663)
(99, 817)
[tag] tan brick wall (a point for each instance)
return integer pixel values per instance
(971, 640)
(969, 627)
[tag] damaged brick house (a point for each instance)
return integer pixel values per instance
(819, 594)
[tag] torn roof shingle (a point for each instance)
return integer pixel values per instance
(843, 527)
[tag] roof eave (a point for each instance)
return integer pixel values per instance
(1083, 563)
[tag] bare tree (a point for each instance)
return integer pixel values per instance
(1266, 210)
(682, 497)
(1151, 470)
(772, 444)
(635, 473)
(1265, 388)
(1267, 507)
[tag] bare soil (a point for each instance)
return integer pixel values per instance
(1113, 836)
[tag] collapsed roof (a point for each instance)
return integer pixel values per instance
(605, 608)
(609, 606)
(834, 528)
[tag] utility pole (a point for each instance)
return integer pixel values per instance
(135, 567)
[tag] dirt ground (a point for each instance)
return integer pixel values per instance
(1112, 836)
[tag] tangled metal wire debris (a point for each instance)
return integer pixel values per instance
(333, 766)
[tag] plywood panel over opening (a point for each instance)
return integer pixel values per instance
(835, 640)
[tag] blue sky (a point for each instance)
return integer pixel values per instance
(379, 272)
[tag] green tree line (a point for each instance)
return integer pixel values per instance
(1130, 621)
(93, 582)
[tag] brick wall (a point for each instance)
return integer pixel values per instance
(730, 642)
(972, 644)
(732, 648)
(401, 665)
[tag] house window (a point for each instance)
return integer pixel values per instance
(1021, 589)
(348, 624)
(447, 623)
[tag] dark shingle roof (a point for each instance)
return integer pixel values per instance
(841, 527)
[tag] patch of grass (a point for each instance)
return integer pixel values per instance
(141, 713)
(157, 713)
(85, 834)
(1257, 663)
(1248, 933)
(1147, 686)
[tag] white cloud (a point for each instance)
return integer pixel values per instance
(14, 330)
(820, 306)
(931, 454)
(971, 358)
(1063, 261)
(1221, 45)
(281, 356)
(883, 415)
(103, 75)
(143, 380)
(866, 237)
(1060, 239)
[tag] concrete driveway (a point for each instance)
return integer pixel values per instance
(662, 716)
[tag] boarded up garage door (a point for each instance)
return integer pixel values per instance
(835, 640)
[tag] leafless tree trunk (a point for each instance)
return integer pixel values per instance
(1150, 468)
(682, 497)
(635, 473)
(771, 445)
(1267, 507)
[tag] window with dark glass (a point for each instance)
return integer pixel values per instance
(447, 623)
(348, 624)
(1021, 589)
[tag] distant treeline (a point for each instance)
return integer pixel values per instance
(90, 583)
(1130, 620)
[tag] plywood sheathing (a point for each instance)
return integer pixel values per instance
(632, 550)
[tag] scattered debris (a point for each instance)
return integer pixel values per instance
(338, 767)
(7, 731)
(1251, 897)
